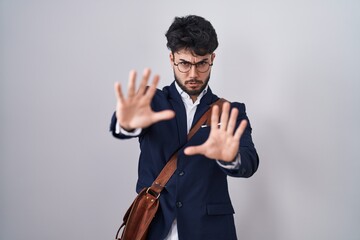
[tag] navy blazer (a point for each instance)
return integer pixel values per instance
(197, 194)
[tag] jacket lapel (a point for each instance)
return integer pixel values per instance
(180, 113)
(204, 105)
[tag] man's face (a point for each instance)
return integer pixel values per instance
(195, 80)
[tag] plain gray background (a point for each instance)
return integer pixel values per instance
(294, 63)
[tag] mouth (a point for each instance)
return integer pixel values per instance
(193, 83)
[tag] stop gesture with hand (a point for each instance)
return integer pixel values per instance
(134, 111)
(224, 141)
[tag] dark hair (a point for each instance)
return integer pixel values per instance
(193, 33)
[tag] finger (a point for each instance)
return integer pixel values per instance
(194, 150)
(131, 84)
(144, 82)
(118, 92)
(163, 115)
(224, 116)
(152, 89)
(232, 121)
(214, 118)
(240, 130)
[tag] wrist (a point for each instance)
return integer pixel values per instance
(130, 130)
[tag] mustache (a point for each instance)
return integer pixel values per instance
(194, 81)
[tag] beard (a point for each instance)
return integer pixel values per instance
(194, 92)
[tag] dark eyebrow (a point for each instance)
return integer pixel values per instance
(204, 60)
(183, 60)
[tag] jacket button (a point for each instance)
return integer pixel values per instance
(179, 204)
(181, 173)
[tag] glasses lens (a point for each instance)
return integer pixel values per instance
(202, 67)
(184, 67)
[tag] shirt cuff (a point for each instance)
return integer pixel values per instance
(120, 130)
(230, 165)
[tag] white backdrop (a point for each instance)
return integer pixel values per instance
(294, 63)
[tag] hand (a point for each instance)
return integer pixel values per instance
(223, 143)
(135, 110)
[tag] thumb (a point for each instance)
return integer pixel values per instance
(193, 150)
(163, 115)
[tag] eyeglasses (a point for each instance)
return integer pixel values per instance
(201, 67)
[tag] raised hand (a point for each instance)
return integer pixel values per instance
(134, 111)
(224, 141)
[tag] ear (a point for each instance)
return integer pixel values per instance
(171, 57)
(213, 55)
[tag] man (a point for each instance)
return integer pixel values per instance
(195, 203)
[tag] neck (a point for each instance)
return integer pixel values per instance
(194, 97)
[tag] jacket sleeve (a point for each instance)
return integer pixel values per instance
(113, 130)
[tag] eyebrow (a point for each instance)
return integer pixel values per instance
(203, 60)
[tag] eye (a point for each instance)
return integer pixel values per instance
(201, 64)
(184, 64)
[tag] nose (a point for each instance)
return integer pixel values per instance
(193, 73)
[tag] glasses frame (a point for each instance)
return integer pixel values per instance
(193, 64)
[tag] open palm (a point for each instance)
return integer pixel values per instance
(134, 111)
(224, 141)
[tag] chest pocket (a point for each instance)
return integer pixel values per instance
(201, 135)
